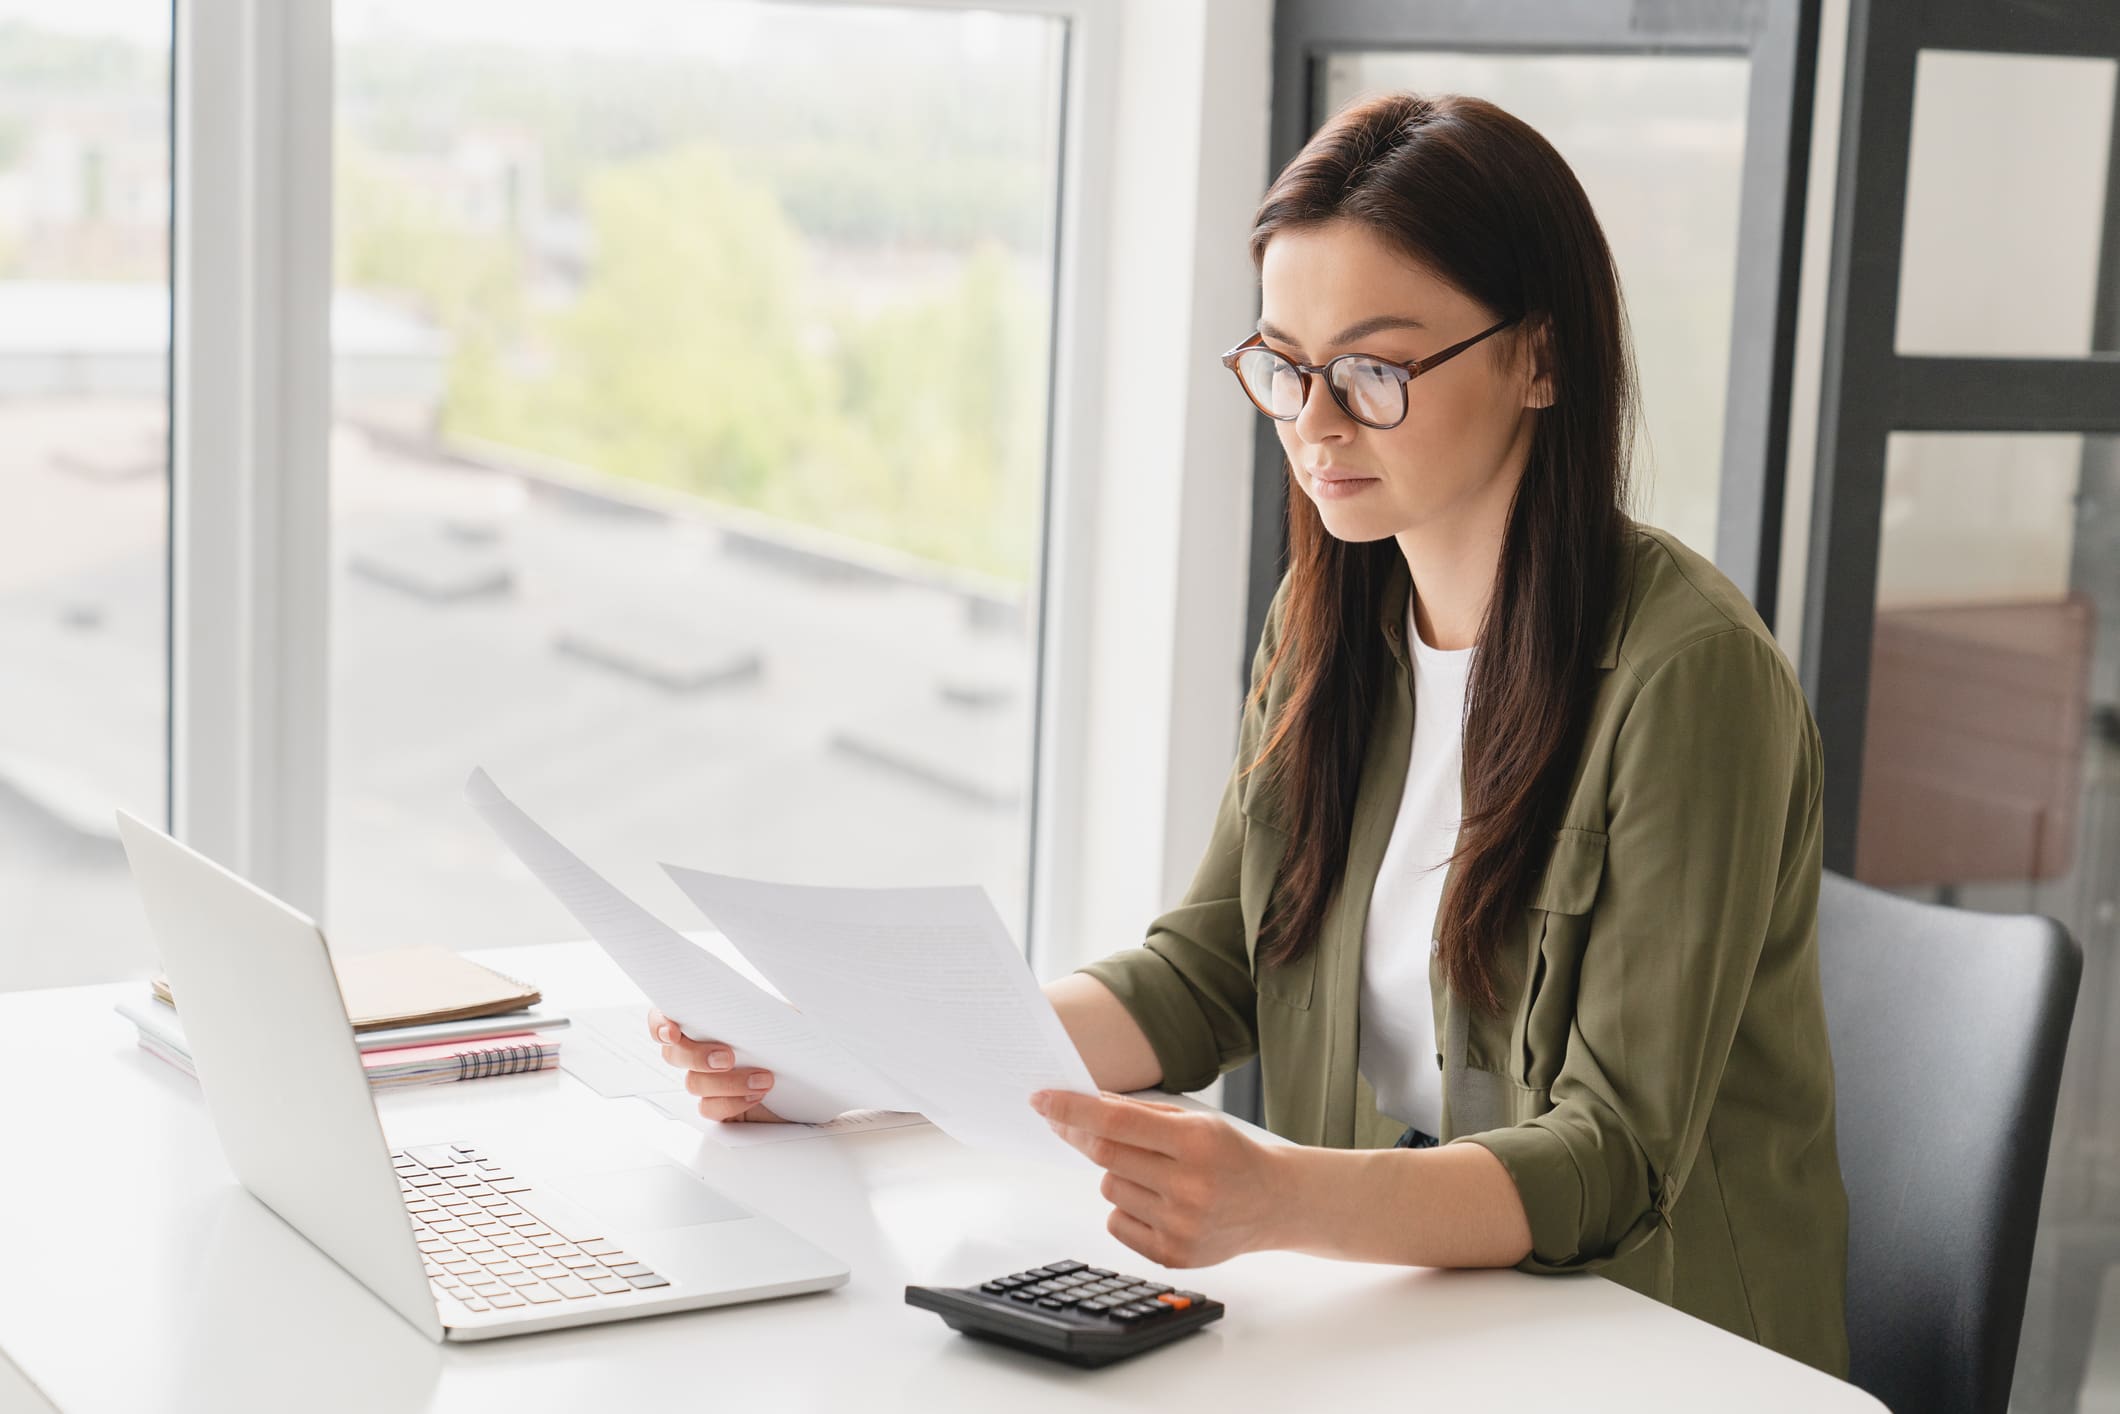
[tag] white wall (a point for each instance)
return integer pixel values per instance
(1174, 485)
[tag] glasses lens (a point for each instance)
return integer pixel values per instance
(1271, 380)
(1371, 390)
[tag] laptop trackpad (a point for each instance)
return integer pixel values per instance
(643, 1199)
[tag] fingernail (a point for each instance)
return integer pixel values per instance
(760, 1080)
(669, 1032)
(1038, 1102)
(720, 1060)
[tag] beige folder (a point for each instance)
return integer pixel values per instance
(412, 986)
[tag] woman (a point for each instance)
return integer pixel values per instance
(1604, 813)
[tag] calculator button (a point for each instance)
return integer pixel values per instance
(993, 1288)
(1049, 1304)
(1026, 1296)
(1193, 1296)
(1099, 1272)
(1174, 1301)
(1061, 1269)
(1130, 1313)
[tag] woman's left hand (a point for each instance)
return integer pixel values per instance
(1186, 1188)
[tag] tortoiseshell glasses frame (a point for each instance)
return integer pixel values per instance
(1340, 374)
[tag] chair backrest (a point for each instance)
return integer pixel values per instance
(1948, 1028)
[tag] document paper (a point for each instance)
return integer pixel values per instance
(922, 983)
(612, 1053)
(739, 1135)
(814, 1077)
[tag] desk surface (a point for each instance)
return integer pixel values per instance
(139, 1276)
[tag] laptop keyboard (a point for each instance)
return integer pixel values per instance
(484, 1245)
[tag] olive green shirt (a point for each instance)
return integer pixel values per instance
(1659, 1084)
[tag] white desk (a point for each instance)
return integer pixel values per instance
(136, 1275)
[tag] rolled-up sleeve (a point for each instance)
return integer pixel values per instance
(1713, 808)
(1188, 984)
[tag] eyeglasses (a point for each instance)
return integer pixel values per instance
(1368, 389)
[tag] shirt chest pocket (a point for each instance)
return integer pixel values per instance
(1291, 983)
(1556, 927)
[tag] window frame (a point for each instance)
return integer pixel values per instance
(250, 408)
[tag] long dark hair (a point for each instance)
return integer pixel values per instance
(1483, 202)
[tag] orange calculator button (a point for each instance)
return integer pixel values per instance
(1174, 1301)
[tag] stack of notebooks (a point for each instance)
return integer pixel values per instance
(420, 1016)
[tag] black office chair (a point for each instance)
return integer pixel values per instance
(1947, 1029)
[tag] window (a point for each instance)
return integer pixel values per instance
(2001, 255)
(689, 451)
(1658, 142)
(1990, 760)
(84, 483)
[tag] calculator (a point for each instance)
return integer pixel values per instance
(1070, 1311)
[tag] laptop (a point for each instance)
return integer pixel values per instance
(453, 1236)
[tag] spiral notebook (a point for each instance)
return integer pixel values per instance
(400, 1067)
(413, 986)
(459, 1060)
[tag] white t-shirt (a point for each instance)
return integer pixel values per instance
(1397, 1023)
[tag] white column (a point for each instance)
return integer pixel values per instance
(1166, 572)
(251, 410)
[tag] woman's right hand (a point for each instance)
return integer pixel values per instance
(725, 1092)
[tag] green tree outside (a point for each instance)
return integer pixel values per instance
(701, 355)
